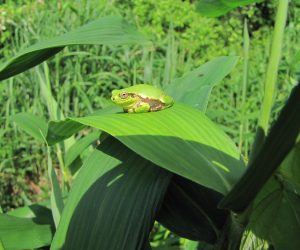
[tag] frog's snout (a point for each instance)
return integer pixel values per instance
(112, 98)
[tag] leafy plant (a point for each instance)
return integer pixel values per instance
(174, 166)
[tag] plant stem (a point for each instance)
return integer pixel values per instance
(274, 60)
(244, 120)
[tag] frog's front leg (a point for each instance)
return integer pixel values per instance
(141, 108)
(167, 100)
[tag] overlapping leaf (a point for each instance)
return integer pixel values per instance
(107, 31)
(114, 200)
(79, 146)
(190, 210)
(194, 87)
(40, 211)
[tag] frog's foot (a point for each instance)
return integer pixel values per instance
(129, 110)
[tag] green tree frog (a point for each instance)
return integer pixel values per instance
(141, 98)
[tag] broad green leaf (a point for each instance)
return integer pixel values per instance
(190, 211)
(214, 8)
(275, 216)
(79, 146)
(22, 233)
(194, 87)
(180, 139)
(277, 145)
(31, 124)
(107, 31)
(114, 200)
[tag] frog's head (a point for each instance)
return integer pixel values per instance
(123, 98)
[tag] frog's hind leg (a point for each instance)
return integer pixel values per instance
(142, 108)
(157, 107)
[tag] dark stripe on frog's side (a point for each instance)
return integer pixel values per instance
(155, 105)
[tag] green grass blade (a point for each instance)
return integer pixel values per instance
(31, 124)
(22, 233)
(114, 199)
(107, 30)
(57, 203)
(278, 144)
(194, 88)
(243, 142)
(273, 65)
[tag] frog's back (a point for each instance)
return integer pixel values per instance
(145, 89)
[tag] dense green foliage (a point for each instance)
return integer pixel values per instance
(78, 81)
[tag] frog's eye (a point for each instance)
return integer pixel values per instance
(123, 95)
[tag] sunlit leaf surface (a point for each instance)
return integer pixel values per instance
(180, 139)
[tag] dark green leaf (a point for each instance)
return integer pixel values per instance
(194, 87)
(275, 216)
(290, 167)
(107, 31)
(113, 201)
(190, 210)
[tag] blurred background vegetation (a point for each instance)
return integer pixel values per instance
(82, 77)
